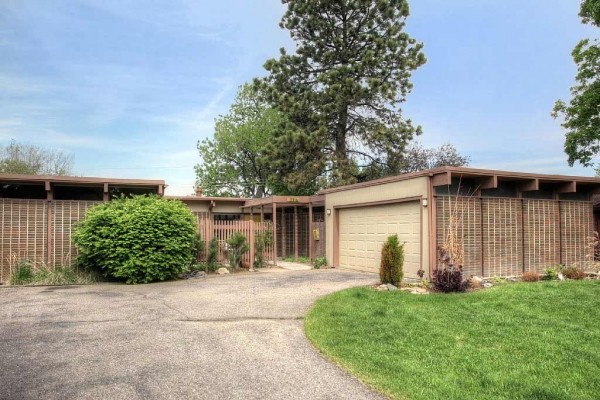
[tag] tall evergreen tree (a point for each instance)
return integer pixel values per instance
(582, 113)
(341, 90)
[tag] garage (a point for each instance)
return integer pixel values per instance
(363, 230)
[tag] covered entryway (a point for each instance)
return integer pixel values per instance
(363, 230)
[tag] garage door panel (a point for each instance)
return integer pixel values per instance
(360, 246)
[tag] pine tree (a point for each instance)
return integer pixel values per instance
(341, 90)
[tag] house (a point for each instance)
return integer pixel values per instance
(507, 222)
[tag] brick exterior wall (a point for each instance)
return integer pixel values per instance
(505, 237)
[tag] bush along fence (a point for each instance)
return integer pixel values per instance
(224, 230)
(39, 232)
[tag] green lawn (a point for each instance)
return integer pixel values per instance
(516, 341)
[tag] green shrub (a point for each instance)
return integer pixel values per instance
(551, 274)
(212, 255)
(237, 247)
(392, 261)
(198, 247)
(138, 239)
(263, 240)
(320, 262)
(22, 274)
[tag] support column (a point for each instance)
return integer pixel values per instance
(274, 233)
(49, 198)
(295, 232)
(283, 232)
(311, 255)
(105, 194)
(262, 213)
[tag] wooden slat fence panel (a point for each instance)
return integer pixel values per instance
(224, 230)
(576, 230)
(541, 234)
(518, 234)
(65, 214)
(468, 229)
(23, 233)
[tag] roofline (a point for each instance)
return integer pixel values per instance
(203, 198)
(79, 180)
(464, 171)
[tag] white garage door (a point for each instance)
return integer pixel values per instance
(363, 230)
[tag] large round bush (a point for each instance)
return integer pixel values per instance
(139, 239)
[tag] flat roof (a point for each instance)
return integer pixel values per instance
(78, 180)
(448, 172)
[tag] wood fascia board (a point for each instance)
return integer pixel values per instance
(567, 187)
(443, 179)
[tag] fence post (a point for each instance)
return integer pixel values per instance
(252, 244)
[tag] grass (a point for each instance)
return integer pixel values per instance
(26, 274)
(519, 341)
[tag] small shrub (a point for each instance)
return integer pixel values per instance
(449, 278)
(212, 255)
(573, 273)
(198, 247)
(551, 274)
(238, 246)
(530, 276)
(392, 261)
(320, 262)
(262, 241)
(22, 274)
(138, 240)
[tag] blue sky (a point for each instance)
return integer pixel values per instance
(129, 86)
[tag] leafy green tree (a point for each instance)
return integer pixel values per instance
(28, 159)
(582, 113)
(341, 90)
(233, 162)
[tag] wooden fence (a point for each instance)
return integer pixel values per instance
(39, 231)
(224, 230)
(506, 237)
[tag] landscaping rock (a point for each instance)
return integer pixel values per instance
(391, 287)
(382, 288)
(561, 277)
(487, 285)
(222, 271)
(419, 290)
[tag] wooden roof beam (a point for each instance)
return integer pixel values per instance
(443, 179)
(567, 187)
(489, 182)
(529, 186)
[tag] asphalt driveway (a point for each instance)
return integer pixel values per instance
(227, 337)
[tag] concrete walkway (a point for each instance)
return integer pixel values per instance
(225, 337)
